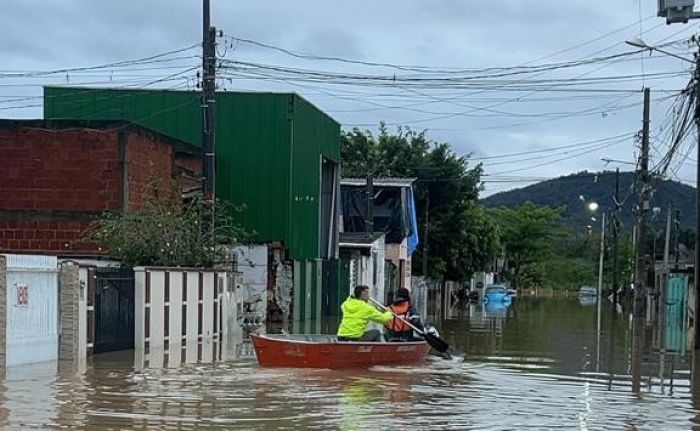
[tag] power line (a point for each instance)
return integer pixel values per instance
(578, 144)
(568, 157)
(123, 63)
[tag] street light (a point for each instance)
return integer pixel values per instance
(593, 207)
(639, 43)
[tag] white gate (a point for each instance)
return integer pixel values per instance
(32, 309)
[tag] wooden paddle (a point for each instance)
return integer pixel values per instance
(433, 340)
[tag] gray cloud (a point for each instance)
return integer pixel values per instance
(451, 33)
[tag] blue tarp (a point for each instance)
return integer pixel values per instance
(413, 222)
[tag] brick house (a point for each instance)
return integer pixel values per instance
(57, 176)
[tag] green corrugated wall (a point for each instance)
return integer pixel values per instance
(307, 302)
(269, 148)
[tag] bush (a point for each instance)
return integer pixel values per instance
(168, 231)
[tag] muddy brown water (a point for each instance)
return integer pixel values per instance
(538, 364)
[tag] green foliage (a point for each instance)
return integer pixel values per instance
(573, 261)
(462, 238)
(166, 231)
(526, 233)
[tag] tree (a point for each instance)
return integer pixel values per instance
(462, 239)
(573, 261)
(526, 233)
(167, 231)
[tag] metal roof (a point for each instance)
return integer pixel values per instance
(378, 182)
(359, 239)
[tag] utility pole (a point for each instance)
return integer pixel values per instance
(600, 289)
(615, 228)
(208, 111)
(677, 236)
(426, 231)
(696, 279)
(665, 277)
(369, 223)
(642, 258)
(667, 245)
(634, 262)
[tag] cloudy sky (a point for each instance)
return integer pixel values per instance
(532, 89)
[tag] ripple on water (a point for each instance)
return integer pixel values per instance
(539, 374)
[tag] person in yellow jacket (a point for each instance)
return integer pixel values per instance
(357, 313)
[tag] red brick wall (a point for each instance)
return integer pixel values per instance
(58, 170)
(53, 182)
(149, 159)
(59, 236)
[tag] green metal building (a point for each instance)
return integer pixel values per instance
(271, 151)
(277, 154)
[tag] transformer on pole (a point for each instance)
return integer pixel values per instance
(677, 10)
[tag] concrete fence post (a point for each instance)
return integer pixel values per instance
(3, 311)
(69, 317)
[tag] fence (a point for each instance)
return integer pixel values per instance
(183, 315)
(427, 295)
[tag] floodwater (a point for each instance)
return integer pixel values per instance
(538, 364)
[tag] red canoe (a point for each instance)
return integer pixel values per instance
(325, 351)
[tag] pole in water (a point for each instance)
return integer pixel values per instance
(600, 289)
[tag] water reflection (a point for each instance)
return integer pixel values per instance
(496, 310)
(537, 364)
(31, 405)
(587, 300)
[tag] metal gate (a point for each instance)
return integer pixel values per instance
(111, 309)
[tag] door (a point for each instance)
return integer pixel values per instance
(114, 309)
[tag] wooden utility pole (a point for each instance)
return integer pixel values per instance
(641, 273)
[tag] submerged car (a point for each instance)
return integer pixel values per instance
(497, 293)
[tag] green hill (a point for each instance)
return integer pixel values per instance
(600, 187)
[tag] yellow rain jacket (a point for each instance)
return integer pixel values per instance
(356, 315)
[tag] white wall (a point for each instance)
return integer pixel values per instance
(362, 270)
(397, 253)
(252, 265)
(485, 278)
(32, 329)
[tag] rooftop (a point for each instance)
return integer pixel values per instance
(359, 239)
(378, 182)
(96, 125)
